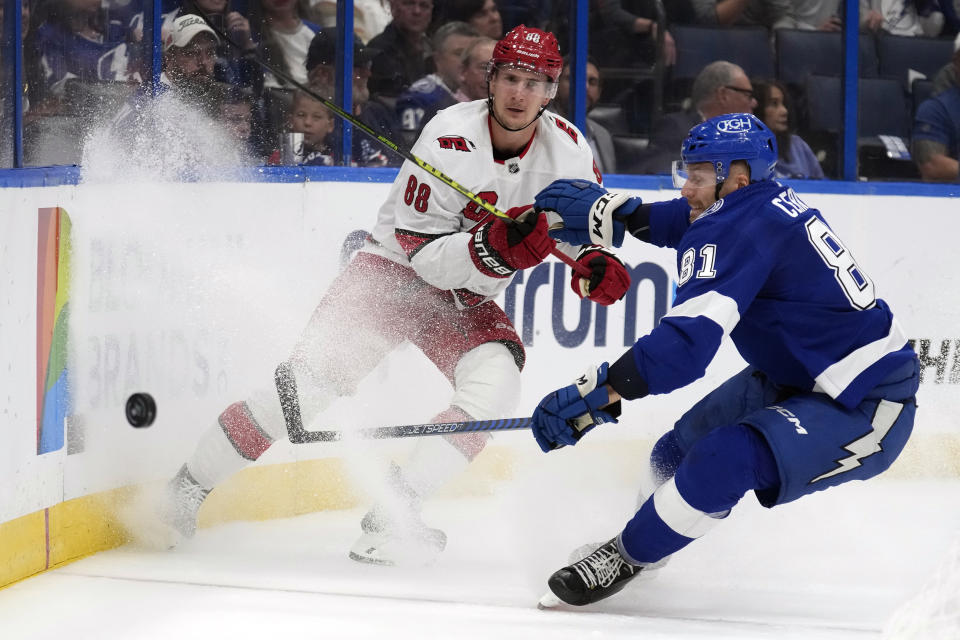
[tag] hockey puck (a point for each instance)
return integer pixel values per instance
(141, 410)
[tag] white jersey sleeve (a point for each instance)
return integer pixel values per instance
(428, 224)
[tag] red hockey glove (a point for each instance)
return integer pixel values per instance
(609, 280)
(499, 247)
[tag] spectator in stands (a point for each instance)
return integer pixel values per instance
(795, 159)
(236, 114)
(720, 87)
(936, 136)
(321, 61)
(600, 140)
(405, 37)
(309, 117)
(901, 17)
(417, 105)
(482, 15)
(234, 65)
(624, 34)
(473, 70)
(817, 15)
(380, 111)
(370, 17)
(189, 54)
(285, 38)
(75, 40)
(949, 74)
(189, 51)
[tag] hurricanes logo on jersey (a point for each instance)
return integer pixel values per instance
(563, 126)
(458, 143)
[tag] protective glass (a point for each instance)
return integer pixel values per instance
(511, 78)
(698, 175)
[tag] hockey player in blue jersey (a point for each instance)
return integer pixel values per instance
(828, 395)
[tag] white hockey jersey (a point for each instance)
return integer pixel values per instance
(426, 224)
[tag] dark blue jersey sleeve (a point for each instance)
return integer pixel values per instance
(721, 269)
(668, 222)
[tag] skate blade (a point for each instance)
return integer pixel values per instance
(549, 601)
(370, 560)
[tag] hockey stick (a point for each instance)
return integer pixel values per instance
(415, 430)
(298, 434)
(584, 271)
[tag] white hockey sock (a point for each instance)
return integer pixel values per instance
(433, 463)
(245, 430)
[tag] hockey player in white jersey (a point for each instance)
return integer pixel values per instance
(427, 274)
(828, 395)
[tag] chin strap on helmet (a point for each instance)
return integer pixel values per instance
(500, 122)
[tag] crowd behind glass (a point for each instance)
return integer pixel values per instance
(651, 74)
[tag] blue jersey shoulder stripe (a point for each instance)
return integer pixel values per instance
(713, 305)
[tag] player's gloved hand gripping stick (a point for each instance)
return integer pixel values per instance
(564, 416)
(389, 144)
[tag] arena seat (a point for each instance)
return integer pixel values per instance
(697, 47)
(800, 52)
(883, 108)
(899, 54)
(883, 112)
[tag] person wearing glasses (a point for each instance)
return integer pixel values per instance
(721, 87)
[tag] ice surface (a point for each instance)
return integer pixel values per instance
(831, 566)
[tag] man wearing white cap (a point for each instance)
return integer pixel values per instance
(189, 55)
(189, 48)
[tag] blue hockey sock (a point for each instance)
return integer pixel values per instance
(711, 478)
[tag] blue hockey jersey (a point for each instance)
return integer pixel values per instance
(417, 105)
(764, 268)
(65, 55)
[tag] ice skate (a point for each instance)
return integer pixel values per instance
(597, 576)
(181, 502)
(394, 541)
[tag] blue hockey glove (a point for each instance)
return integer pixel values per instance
(563, 416)
(588, 212)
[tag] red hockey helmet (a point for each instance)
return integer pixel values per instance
(531, 49)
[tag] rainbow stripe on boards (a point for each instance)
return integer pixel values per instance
(53, 312)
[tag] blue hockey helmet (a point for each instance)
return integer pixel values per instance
(723, 139)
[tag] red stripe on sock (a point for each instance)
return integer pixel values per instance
(243, 432)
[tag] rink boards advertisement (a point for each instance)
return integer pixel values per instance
(194, 292)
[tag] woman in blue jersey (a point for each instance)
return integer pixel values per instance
(828, 395)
